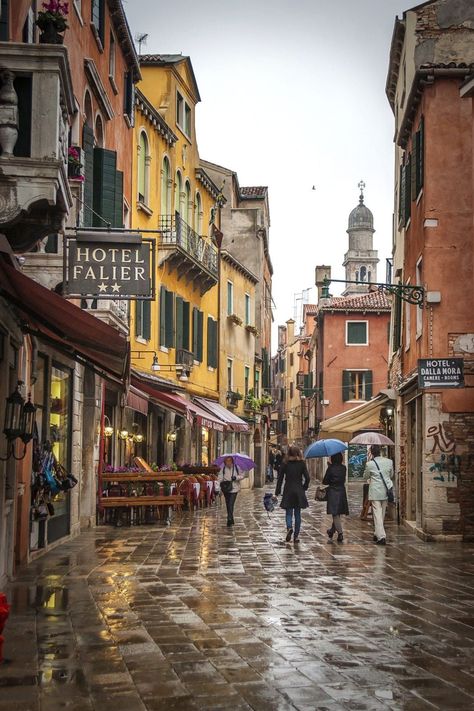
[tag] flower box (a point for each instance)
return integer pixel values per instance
(251, 329)
(233, 318)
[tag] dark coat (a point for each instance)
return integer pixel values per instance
(296, 478)
(335, 479)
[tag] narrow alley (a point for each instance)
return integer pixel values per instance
(199, 616)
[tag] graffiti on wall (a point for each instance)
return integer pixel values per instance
(446, 466)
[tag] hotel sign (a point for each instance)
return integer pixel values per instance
(440, 373)
(109, 265)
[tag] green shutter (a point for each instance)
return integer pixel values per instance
(407, 190)
(162, 316)
(169, 320)
(401, 196)
(195, 332)
(368, 385)
(129, 97)
(179, 322)
(211, 342)
(146, 311)
(88, 148)
(346, 385)
(186, 325)
(138, 317)
(4, 28)
(105, 163)
(397, 322)
(118, 208)
(200, 336)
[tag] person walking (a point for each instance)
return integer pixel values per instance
(293, 470)
(277, 461)
(230, 477)
(335, 479)
(379, 473)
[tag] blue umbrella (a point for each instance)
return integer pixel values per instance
(325, 448)
(243, 461)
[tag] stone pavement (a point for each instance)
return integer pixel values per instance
(198, 616)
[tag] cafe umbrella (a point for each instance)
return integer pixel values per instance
(324, 448)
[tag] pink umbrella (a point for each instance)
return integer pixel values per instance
(371, 438)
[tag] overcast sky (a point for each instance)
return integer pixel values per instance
(293, 95)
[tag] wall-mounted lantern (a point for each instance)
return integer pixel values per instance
(19, 421)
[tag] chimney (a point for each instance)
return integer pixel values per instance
(290, 329)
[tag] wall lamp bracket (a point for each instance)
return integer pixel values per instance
(411, 294)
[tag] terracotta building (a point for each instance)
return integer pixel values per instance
(430, 88)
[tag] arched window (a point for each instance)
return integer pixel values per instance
(99, 131)
(198, 214)
(363, 274)
(88, 113)
(187, 211)
(143, 168)
(166, 187)
(178, 189)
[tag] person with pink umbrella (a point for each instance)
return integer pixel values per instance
(379, 473)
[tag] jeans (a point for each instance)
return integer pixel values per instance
(336, 523)
(230, 503)
(289, 520)
(378, 512)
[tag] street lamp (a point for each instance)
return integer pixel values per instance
(19, 421)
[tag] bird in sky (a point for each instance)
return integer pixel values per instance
(314, 187)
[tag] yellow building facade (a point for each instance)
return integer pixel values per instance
(174, 337)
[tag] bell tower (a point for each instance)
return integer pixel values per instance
(361, 259)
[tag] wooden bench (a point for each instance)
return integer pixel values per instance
(138, 509)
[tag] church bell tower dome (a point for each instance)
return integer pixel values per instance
(361, 259)
(361, 217)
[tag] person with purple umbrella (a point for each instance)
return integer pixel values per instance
(230, 477)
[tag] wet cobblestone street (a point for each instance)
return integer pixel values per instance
(199, 616)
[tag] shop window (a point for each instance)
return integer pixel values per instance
(60, 439)
(39, 396)
(357, 333)
(356, 385)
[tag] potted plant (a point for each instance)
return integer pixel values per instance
(252, 402)
(52, 21)
(251, 329)
(74, 165)
(233, 397)
(266, 400)
(233, 318)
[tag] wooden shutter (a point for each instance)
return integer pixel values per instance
(401, 196)
(146, 320)
(368, 385)
(195, 332)
(346, 385)
(211, 342)
(186, 325)
(129, 97)
(413, 192)
(179, 322)
(420, 147)
(138, 317)
(4, 28)
(88, 148)
(162, 316)
(118, 207)
(169, 320)
(407, 190)
(105, 163)
(200, 336)
(397, 326)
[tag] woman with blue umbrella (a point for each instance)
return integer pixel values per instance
(335, 480)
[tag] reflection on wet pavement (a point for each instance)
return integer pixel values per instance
(199, 616)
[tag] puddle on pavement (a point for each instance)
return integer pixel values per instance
(50, 600)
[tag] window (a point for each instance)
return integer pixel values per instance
(229, 374)
(356, 385)
(198, 319)
(247, 310)
(419, 149)
(246, 380)
(178, 189)
(187, 214)
(256, 379)
(407, 308)
(166, 318)
(4, 26)
(143, 169)
(419, 312)
(230, 298)
(183, 115)
(98, 19)
(129, 98)
(182, 323)
(211, 342)
(28, 27)
(357, 333)
(166, 187)
(291, 360)
(112, 56)
(103, 184)
(142, 320)
(292, 390)
(198, 214)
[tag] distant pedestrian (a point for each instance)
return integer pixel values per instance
(335, 479)
(277, 461)
(230, 477)
(379, 473)
(293, 470)
(271, 459)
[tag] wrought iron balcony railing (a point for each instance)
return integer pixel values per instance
(175, 231)
(185, 358)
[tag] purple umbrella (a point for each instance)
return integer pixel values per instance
(371, 438)
(243, 461)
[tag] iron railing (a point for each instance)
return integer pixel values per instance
(175, 231)
(184, 357)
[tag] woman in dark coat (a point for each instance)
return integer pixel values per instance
(294, 472)
(335, 479)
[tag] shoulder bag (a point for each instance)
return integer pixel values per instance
(390, 494)
(321, 493)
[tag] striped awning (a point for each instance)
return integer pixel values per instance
(231, 421)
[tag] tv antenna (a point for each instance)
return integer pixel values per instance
(141, 38)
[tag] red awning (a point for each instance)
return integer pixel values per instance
(64, 325)
(136, 401)
(231, 421)
(179, 404)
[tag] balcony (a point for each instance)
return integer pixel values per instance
(36, 103)
(233, 398)
(184, 358)
(194, 258)
(112, 312)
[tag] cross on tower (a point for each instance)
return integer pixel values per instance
(361, 186)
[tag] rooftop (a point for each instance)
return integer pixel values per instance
(372, 301)
(254, 192)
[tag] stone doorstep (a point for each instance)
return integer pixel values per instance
(432, 537)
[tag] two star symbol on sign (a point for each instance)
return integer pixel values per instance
(115, 287)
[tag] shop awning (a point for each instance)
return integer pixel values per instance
(230, 420)
(179, 404)
(362, 417)
(54, 320)
(136, 400)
